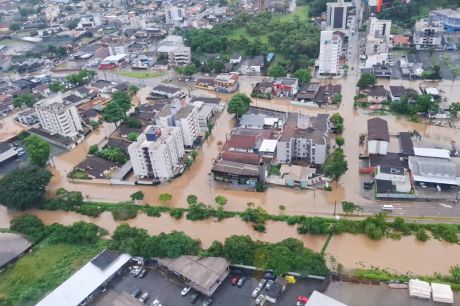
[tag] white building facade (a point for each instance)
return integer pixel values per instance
(58, 116)
(174, 14)
(157, 152)
(338, 15)
(329, 53)
(187, 119)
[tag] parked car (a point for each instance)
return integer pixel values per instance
(143, 273)
(235, 280)
(241, 281)
(388, 207)
(194, 297)
(255, 293)
(269, 275)
(302, 299)
(136, 292)
(261, 284)
(155, 303)
(367, 185)
(207, 302)
(269, 284)
(259, 299)
(185, 291)
(144, 297)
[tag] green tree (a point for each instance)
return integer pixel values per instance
(133, 123)
(239, 104)
(24, 188)
(137, 196)
(349, 207)
(422, 235)
(29, 225)
(112, 112)
(454, 108)
(122, 99)
(133, 136)
(56, 87)
(79, 233)
(15, 27)
(455, 274)
(340, 141)
(335, 164)
(192, 199)
(194, 154)
(366, 80)
(25, 99)
(239, 250)
(304, 75)
(93, 149)
(188, 70)
(132, 90)
(38, 150)
(337, 120)
(80, 78)
(277, 71)
(220, 200)
(70, 199)
(165, 197)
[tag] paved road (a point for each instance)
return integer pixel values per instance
(417, 209)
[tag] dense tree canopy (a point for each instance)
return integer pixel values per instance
(335, 165)
(112, 112)
(24, 188)
(24, 100)
(38, 150)
(239, 104)
(366, 80)
(29, 225)
(304, 75)
(80, 78)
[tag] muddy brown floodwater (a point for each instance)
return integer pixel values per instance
(352, 251)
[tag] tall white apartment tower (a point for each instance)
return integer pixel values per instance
(157, 152)
(187, 119)
(58, 116)
(338, 14)
(329, 53)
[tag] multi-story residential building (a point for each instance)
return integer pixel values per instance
(378, 28)
(89, 22)
(187, 119)
(51, 11)
(59, 116)
(329, 53)
(180, 56)
(285, 87)
(226, 82)
(339, 15)
(174, 14)
(375, 50)
(157, 152)
(428, 34)
(137, 22)
(449, 18)
(305, 139)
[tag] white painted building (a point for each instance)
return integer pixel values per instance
(118, 49)
(137, 22)
(157, 152)
(58, 116)
(187, 119)
(338, 14)
(89, 22)
(329, 53)
(174, 14)
(428, 34)
(379, 28)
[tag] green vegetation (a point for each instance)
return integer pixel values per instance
(366, 80)
(116, 110)
(64, 200)
(133, 136)
(239, 104)
(78, 174)
(304, 75)
(350, 207)
(38, 150)
(137, 196)
(337, 120)
(165, 197)
(124, 212)
(335, 164)
(277, 71)
(340, 141)
(24, 188)
(24, 100)
(188, 70)
(132, 90)
(29, 225)
(56, 87)
(133, 123)
(274, 170)
(80, 78)
(261, 186)
(140, 74)
(292, 37)
(113, 154)
(412, 104)
(34, 275)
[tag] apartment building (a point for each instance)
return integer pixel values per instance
(339, 15)
(137, 22)
(379, 28)
(174, 14)
(428, 34)
(89, 22)
(157, 152)
(59, 116)
(187, 119)
(329, 53)
(180, 56)
(304, 139)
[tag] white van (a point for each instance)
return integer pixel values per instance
(387, 207)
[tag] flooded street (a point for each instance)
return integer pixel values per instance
(353, 251)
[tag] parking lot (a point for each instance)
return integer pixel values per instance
(167, 290)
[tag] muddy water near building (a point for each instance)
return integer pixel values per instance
(405, 255)
(352, 251)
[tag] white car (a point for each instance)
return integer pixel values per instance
(259, 299)
(155, 303)
(255, 292)
(185, 291)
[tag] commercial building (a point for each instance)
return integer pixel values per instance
(58, 116)
(86, 282)
(89, 22)
(449, 18)
(378, 136)
(379, 28)
(173, 47)
(432, 170)
(329, 53)
(428, 34)
(339, 15)
(7, 152)
(187, 119)
(285, 87)
(304, 138)
(157, 152)
(226, 82)
(204, 274)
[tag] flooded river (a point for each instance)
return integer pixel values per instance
(352, 251)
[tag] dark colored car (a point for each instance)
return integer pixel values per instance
(235, 280)
(136, 292)
(194, 297)
(269, 275)
(241, 281)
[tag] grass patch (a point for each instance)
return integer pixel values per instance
(140, 74)
(41, 271)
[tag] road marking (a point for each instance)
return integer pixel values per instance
(448, 206)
